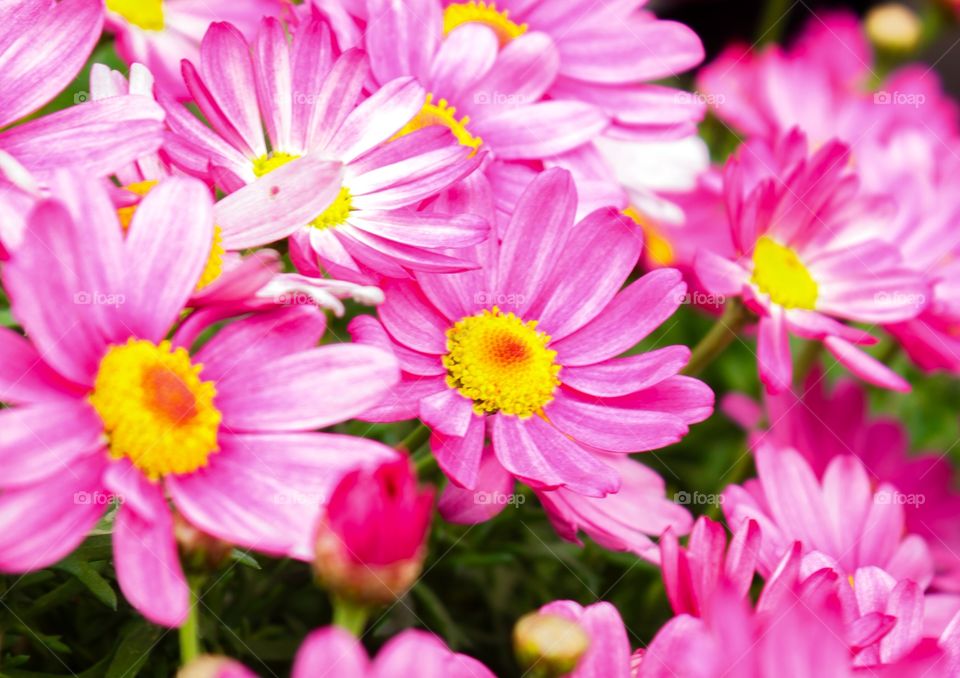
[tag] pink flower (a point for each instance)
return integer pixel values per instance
(608, 653)
(44, 45)
(524, 350)
(334, 652)
(490, 97)
(370, 539)
(901, 138)
(822, 424)
(309, 105)
(842, 521)
(804, 258)
(606, 56)
(160, 33)
(104, 405)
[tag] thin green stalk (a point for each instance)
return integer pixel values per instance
(349, 615)
(807, 359)
(415, 439)
(720, 336)
(190, 631)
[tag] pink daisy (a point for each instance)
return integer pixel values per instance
(525, 349)
(607, 55)
(160, 33)
(105, 405)
(43, 46)
(309, 106)
(843, 521)
(806, 258)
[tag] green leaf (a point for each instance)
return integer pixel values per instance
(134, 650)
(89, 577)
(244, 558)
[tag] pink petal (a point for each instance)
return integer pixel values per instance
(511, 135)
(481, 500)
(459, 456)
(25, 377)
(621, 376)
(306, 390)
(524, 70)
(466, 54)
(447, 412)
(864, 366)
(148, 564)
(631, 316)
(378, 118)
(412, 321)
(331, 652)
(274, 83)
(773, 352)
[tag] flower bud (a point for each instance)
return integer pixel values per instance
(894, 28)
(199, 550)
(214, 666)
(369, 544)
(548, 645)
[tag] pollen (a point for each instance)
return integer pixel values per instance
(337, 213)
(485, 13)
(779, 273)
(270, 161)
(501, 363)
(441, 113)
(156, 410)
(139, 188)
(147, 14)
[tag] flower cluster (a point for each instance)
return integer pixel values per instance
(288, 279)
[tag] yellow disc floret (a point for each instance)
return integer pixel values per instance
(778, 272)
(140, 188)
(485, 13)
(659, 249)
(441, 113)
(270, 161)
(147, 14)
(156, 410)
(337, 213)
(501, 363)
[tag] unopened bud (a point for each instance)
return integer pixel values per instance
(894, 28)
(199, 549)
(214, 666)
(548, 645)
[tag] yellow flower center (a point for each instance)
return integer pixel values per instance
(214, 265)
(441, 113)
(147, 14)
(778, 272)
(501, 363)
(659, 249)
(484, 13)
(337, 213)
(156, 410)
(271, 161)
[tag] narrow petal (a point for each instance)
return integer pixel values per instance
(864, 366)
(484, 499)
(540, 130)
(378, 118)
(773, 352)
(331, 652)
(459, 456)
(622, 376)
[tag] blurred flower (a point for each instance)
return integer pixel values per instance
(608, 650)
(525, 350)
(549, 645)
(334, 652)
(370, 541)
(161, 33)
(105, 405)
(843, 521)
(44, 46)
(313, 115)
(213, 666)
(893, 27)
(804, 258)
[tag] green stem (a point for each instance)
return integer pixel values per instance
(190, 631)
(721, 335)
(349, 615)
(773, 21)
(807, 359)
(415, 439)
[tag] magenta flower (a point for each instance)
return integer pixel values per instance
(843, 521)
(370, 539)
(804, 258)
(525, 350)
(823, 424)
(105, 405)
(44, 46)
(161, 33)
(608, 653)
(606, 56)
(310, 105)
(334, 652)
